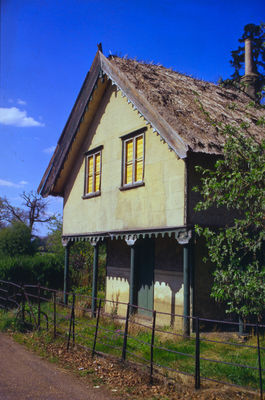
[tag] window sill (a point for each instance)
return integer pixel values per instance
(132, 186)
(90, 195)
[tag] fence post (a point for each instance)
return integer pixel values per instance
(96, 331)
(197, 355)
(124, 346)
(73, 312)
(152, 347)
(259, 361)
(6, 299)
(240, 326)
(23, 304)
(38, 325)
(54, 314)
(70, 324)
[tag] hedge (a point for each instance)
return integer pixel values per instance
(47, 269)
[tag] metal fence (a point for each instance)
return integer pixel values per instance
(133, 333)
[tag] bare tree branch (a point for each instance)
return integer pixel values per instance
(35, 211)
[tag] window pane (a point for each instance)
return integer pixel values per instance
(128, 173)
(90, 184)
(129, 151)
(138, 171)
(139, 148)
(90, 165)
(97, 156)
(97, 182)
(90, 174)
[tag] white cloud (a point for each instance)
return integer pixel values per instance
(21, 102)
(49, 150)
(3, 182)
(8, 183)
(14, 117)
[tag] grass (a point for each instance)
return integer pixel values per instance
(111, 336)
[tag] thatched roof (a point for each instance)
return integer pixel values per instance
(179, 108)
(189, 105)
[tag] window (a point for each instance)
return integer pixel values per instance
(93, 161)
(133, 160)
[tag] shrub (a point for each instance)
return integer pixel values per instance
(47, 269)
(16, 239)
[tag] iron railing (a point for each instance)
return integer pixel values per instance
(134, 334)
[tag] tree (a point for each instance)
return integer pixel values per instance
(237, 183)
(2, 214)
(54, 238)
(257, 35)
(16, 240)
(35, 210)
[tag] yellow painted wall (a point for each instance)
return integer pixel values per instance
(117, 290)
(168, 297)
(160, 203)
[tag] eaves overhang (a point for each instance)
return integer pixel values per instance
(182, 234)
(102, 66)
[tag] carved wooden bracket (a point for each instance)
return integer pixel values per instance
(183, 237)
(65, 242)
(130, 239)
(94, 241)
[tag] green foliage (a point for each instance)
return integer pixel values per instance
(80, 260)
(16, 240)
(46, 269)
(81, 265)
(237, 184)
(54, 238)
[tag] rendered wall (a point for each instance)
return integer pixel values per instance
(212, 216)
(168, 279)
(204, 305)
(118, 276)
(160, 203)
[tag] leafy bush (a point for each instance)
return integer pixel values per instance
(81, 265)
(44, 268)
(16, 239)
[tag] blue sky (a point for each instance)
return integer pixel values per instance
(47, 47)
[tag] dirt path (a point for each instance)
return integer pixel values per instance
(23, 375)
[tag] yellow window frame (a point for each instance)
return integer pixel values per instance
(133, 165)
(93, 172)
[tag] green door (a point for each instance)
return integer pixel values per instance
(145, 274)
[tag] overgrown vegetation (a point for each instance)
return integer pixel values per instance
(237, 184)
(46, 269)
(16, 240)
(25, 258)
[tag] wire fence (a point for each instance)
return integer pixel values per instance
(133, 333)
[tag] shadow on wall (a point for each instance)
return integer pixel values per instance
(166, 284)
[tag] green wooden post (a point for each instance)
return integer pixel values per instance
(130, 240)
(132, 276)
(95, 278)
(192, 281)
(186, 283)
(66, 245)
(183, 239)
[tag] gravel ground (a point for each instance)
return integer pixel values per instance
(24, 375)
